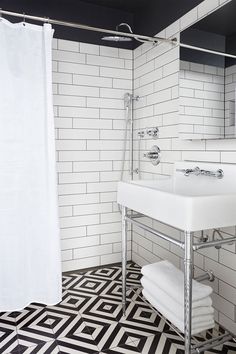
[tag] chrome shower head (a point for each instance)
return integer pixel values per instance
(117, 38)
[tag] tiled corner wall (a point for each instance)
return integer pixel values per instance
(89, 83)
(156, 80)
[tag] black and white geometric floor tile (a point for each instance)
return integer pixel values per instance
(89, 320)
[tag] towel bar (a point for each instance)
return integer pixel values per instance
(189, 248)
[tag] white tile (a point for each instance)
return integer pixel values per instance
(64, 166)
(68, 45)
(111, 238)
(63, 100)
(73, 68)
(116, 73)
(207, 6)
(63, 123)
(104, 228)
(109, 51)
(73, 232)
(76, 90)
(122, 83)
(92, 251)
(125, 53)
(78, 134)
(101, 187)
(105, 61)
(70, 145)
(92, 166)
(61, 78)
(65, 211)
(89, 48)
(71, 189)
(70, 57)
(77, 177)
(78, 155)
(105, 103)
(189, 18)
(92, 124)
(66, 255)
(78, 221)
(86, 80)
(75, 198)
(92, 209)
(76, 264)
(227, 292)
(78, 112)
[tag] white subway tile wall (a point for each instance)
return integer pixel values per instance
(156, 80)
(201, 104)
(89, 83)
(230, 83)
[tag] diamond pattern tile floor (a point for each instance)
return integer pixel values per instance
(89, 320)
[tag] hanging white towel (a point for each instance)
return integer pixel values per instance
(173, 305)
(171, 280)
(164, 310)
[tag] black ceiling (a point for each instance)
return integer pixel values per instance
(146, 17)
(222, 21)
(217, 32)
(125, 5)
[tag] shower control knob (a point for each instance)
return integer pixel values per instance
(153, 155)
(152, 132)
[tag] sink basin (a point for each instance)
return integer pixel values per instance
(190, 203)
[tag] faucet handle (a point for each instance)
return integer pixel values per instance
(153, 155)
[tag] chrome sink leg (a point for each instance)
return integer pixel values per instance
(188, 275)
(124, 257)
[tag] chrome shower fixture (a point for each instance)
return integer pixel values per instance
(129, 98)
(119, 38)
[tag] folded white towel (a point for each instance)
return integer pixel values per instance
(171, 280)
(174, 306)
(196, 328)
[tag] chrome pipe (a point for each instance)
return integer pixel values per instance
(198, 246)
(208, 275)
(131, 147)
(207, 50)
(188, 275)
(124, 256)
(213, 343)
(213, 339)
(154, 232)
(87, 28)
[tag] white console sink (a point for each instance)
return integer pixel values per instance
(189, 203)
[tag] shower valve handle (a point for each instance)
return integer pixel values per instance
(153, 155)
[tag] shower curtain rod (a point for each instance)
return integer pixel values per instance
(88, 28)
(200, 49)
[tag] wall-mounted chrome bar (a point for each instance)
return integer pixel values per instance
(211, 343)
(208, 275)
(87, 28)
(154, 232)
(207, 50)
(213, 243)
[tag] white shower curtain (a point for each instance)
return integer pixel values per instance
(30, 268)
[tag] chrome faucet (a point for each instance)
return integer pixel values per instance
(197, 171)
